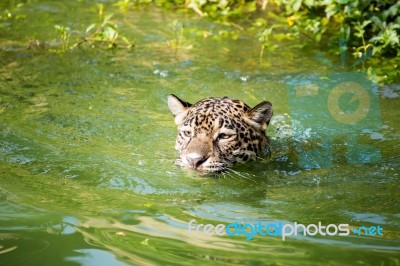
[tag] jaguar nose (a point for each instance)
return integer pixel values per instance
(195, 159)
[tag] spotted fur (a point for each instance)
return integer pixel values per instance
(215, 133)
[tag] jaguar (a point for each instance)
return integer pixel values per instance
(216, 133)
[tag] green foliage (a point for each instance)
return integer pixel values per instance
(264, 39)
(222, 10)
(10, 14)
(364, 24)
(64, 34)
(106, 32)
(6, 15)
(367, 29)
(177, 29)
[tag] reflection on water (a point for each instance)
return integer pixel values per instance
(86, 152)
(94, 257)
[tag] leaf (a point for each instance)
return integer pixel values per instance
(360, 28)
(318, 37)
(377, 22)
(112, 26)
(345, 32)
(145, 242)
(310, 3)
(331, 10)
(91, 26)
(108, 17)
(296, 5)
(392, 36)
(366, 23)
(391, 11)
(394, 26)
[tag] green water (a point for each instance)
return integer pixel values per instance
(87, 149)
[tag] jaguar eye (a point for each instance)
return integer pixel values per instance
(224, 136)
(187, 133)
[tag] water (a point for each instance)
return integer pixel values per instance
(86, 148)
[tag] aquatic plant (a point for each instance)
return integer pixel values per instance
(264, 39)
(370, 30)
(64, 34)
(104, 32)
(10, 14)
(177, 29)
(317, 21)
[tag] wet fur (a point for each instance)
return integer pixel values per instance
(219, 132)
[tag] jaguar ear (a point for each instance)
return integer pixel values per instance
(178, 108)
(260, 115)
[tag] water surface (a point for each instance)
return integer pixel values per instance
(86, 148)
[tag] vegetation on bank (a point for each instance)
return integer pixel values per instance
(369, 30)
(372, 27)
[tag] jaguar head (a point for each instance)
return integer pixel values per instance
(215, 133)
